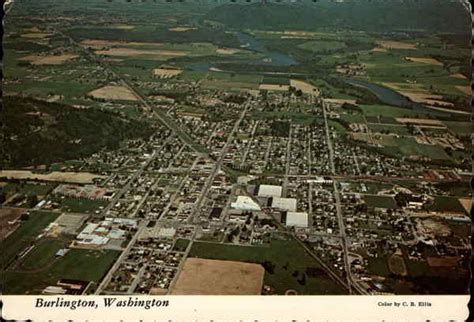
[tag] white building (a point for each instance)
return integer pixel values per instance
(297, 219)
(245, 203)
(284, 204)
(265, 190)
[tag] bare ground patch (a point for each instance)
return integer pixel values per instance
(182, 29)
(8, 218)
(304, 87)
(36, 35)
(390, 44)
(100, 44)
(397, 266)
(111, 92)
(227, 51)
(166, 73)
(71, 177)
(425, 60)
(49, 60)
(218, 277)
(466, 203)
(143, 53)
(273, 87)
(465, 89)
(458, 75)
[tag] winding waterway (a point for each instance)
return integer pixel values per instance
(273, 58)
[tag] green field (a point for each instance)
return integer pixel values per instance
(442, 203)
(181, 245)
(82, 205)
(42, 254)
(377, 201)
(280, 253)
(85, 265)
(318, 46)
(24, 235)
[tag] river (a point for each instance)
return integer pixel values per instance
(247, 41)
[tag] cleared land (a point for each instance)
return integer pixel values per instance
(273, 87)
(227, 51)
(218, 277)
(143, 53)
(182, 29)
(397, 265)
(36, 35)
(458, 76)
(8, 220)
(425, 60)
(465, 89)
(304, 87)
(390, 44)
(164, 72)
(287, 256)
(49, 60)
(114, 93)
(56, 176)
(466, 203)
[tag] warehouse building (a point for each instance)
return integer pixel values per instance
(297, 219)
(265, 190)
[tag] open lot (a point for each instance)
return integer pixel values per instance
(79, 264)
(8, 220)
(56, 176)
(24, 235)
(390, 44)
(217, 277)
(49, 60)
(114, 93)
(287, 256)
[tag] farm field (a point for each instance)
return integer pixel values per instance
(281, 253)
(217, 277)
(84, 265)
(24, 235)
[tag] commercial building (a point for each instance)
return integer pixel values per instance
(284, 204)
(297, 219)
(245, 203)
(265, 190)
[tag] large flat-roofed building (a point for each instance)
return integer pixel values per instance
(284, 204)
(245, 203)
(297, 219)
(265, 190)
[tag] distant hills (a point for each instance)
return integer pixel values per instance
(366, 15)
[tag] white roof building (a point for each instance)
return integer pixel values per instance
(284, 204)
(265, 190)
(297, 219)
(245, 203)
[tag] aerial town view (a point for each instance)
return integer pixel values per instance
(236, 147)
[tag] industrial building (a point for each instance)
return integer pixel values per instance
(297, 219)
(265, 190)
(284, 204)
(245, 203)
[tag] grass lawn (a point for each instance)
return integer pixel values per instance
(317, 46)
(24, 235)
(389, 111)
(377, 201)
(442, 203)
(82, 205)
(279, 253)
(379, 266)
(80, 264)
(460, 128)
(43, 254)
(181, 245)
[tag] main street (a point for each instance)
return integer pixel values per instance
(342, 232)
